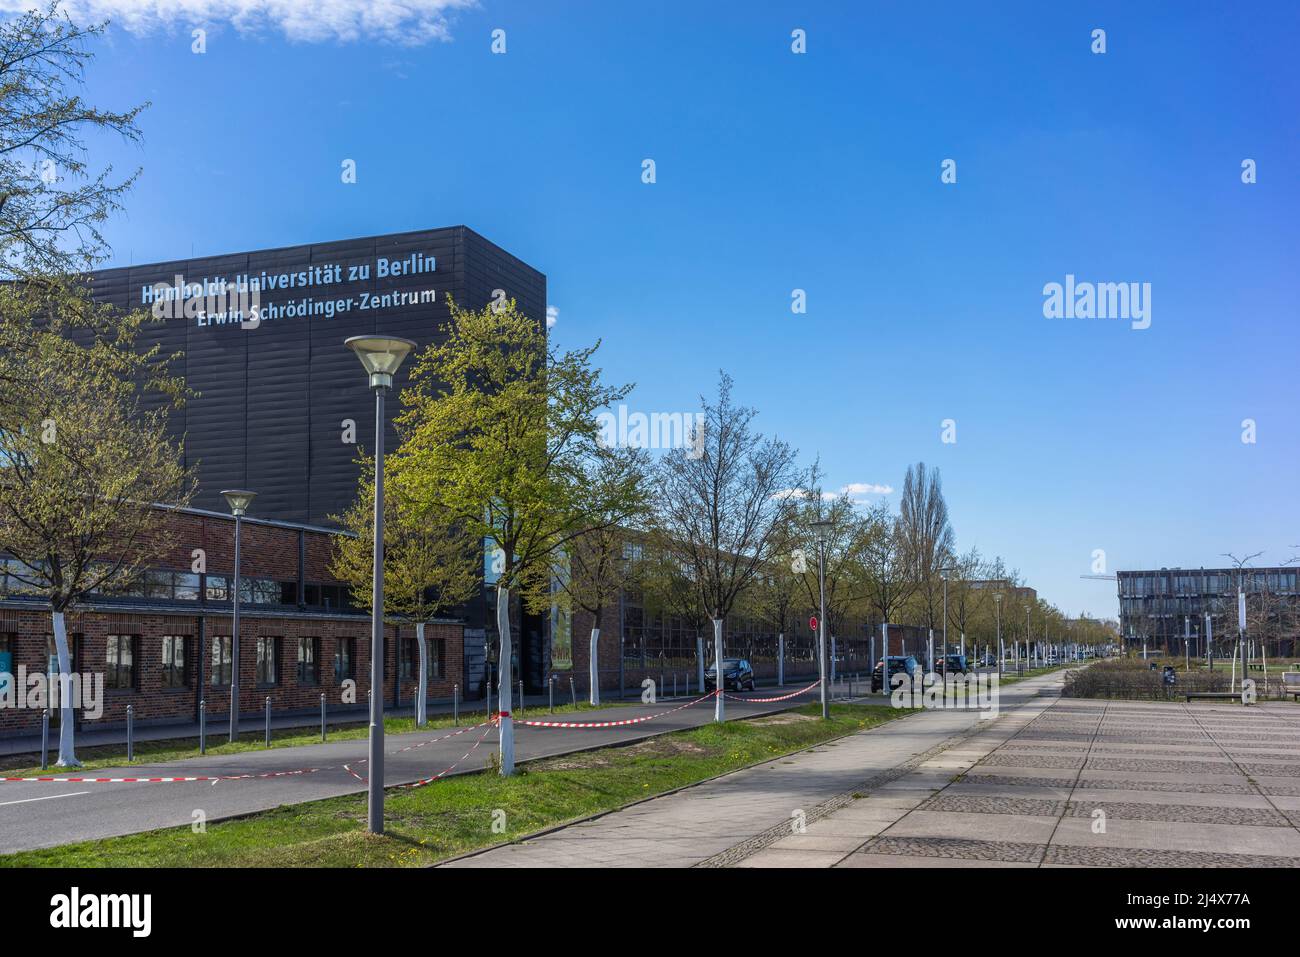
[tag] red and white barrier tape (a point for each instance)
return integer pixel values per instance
(214, 778)
(784, 697)
(452, 767)
(590, 725)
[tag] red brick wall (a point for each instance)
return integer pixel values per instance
(154, 703)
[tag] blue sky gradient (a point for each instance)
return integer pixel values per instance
(821, 171)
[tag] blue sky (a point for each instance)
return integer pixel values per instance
(820, 171)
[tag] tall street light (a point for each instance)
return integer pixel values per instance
(943, 573)
(381, 356)
(238, 499)
(819, 530)
(997, 611)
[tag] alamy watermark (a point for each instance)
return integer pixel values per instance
(658, 430)
(1098, 300)
(959, 692)
(38, 690)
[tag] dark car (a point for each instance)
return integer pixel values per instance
(897, 665)
(736, 674)
(951, 664)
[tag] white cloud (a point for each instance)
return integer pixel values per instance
(552, 317)
(406, 22)
(865, 488)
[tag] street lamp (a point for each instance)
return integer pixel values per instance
(820, 528)
(943, 573)
(238, 499)
(381, 356)
(997, 611)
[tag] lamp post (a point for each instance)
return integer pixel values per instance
(943, 573)
(820, 529)
(238, 499)
(381, 356)
(997, 612)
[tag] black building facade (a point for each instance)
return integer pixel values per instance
(280, 406)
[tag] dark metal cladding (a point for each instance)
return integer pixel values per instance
(273, 401)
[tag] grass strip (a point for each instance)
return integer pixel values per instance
(467, 812)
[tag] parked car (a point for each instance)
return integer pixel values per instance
(736, 674)
(989, 661)
(951, 664)
(897, 665)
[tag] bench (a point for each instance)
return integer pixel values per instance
(1291, 683)
(1224, 695)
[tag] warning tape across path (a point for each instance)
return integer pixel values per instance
(784, 697)
(214, 778)
(591, 725)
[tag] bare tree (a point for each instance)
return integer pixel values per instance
(886, 564)
(923, 517)
(724, 503)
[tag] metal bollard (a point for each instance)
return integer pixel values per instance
(550, 695)
(268, 721)
(455, 706)
(130, 733)
(573, 693)
(521, 696)
(45, 738)
(203, 726)
(322, 716)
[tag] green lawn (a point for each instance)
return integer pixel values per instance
(177, 749)
(456, 814)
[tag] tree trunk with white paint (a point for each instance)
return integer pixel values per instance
(593, 666)
(67, 756)
(719, 710)
(505, 727)
(421, 715)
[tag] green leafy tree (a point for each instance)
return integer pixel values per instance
(84, 447)
(429, 567)
(83, 465)
(598, 566)
(500, 430)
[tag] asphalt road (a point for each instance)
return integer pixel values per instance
(44, 814)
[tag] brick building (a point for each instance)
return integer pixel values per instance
(165, 644)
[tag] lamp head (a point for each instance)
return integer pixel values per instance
(381, 356)
(238, 499)
(820, 530)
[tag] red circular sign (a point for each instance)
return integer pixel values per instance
(812, 622)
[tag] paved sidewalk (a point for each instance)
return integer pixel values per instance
(729, 819)
(1078, 782)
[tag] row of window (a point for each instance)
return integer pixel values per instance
(1209, 583)
(187, 586)
(124, 656)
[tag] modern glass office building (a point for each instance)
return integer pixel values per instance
(1164, 606)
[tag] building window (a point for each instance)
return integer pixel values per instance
(119, 662)
(220, 660)
(408, 664)
(345, 659)
(268, 661)
(308, 661)
(7, 642)
(175, 662)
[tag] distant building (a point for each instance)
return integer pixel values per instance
(1160, 606)
(1018, 593)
